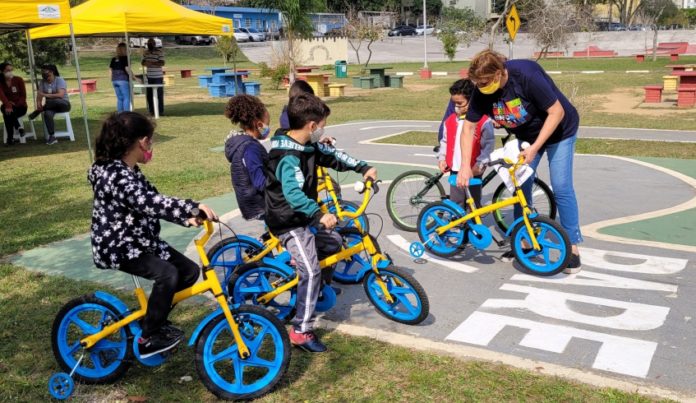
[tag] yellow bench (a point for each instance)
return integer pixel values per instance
(670, 83)
(337, 90)
(168, 80)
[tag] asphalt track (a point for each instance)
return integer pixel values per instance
(626, 317)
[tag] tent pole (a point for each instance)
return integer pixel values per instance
(82, 94)
(131, 76)
(32, 78)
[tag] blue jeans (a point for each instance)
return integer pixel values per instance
(122, 89)
(560, 156)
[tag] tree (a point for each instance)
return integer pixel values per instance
(359, 31)
(552, 24)
(459, 26)
(228, 48)
(345, 6)
(654, 11)
(433, 7)
(13, 48)
(495, 27)
(296, 22)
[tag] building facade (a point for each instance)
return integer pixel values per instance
(483, 8)
(245, 17)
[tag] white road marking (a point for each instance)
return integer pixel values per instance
(618, 354)
(644, 264)
(389, 126)
(425, 155)
(592, 279)
(402, 243)
(555, 304)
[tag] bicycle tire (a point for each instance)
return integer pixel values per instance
(348, 271)
(543, 201)
(395, 275)
(448, 244)
(540, 262)
(218, 260)
(248, 318)
(246, 285)
(407, 220)
(64, 350)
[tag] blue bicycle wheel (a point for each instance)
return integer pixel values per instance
(553, 240)
(107, 360)
(230, 253)
(225, 373)
(352, 270)
(250, 283)
(436, 215)
(361, 221)
(61, 386)
(410, 302)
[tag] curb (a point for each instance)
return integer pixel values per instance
(475, 353)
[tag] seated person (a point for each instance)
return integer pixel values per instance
(54, 91)
(449, 155)
(13, 96)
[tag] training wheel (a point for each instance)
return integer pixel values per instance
(416, 249)
(480, 236)
(61, 386)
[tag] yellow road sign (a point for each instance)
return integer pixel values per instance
(512, 22)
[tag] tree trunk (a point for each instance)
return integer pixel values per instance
(494, 28)
(543, 51)
(654, 51)
(369, 54)
(356, 50)
(291, 54)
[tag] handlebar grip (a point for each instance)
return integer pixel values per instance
(198, 213)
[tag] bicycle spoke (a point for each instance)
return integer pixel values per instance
(227, 353)
(258, 362)
(96, 360)
(105, 344)
(254, 344)
(86, 327)
(74, 348)
(407, 304)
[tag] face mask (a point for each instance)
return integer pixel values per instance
(147, 156)
(9, 75)
(490, 88)
(316, 135)
(459, 110)
(150, 47)
(44, 76)
(265, 131)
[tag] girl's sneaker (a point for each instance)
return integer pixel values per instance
(158, 343)
(307, 341)
(574, 264)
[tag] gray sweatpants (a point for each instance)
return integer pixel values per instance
(307, 249)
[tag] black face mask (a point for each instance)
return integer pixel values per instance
(150, 47)
(44, 76)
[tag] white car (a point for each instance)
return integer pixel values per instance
(240, 36)
(142, 42)
(428, 30)
(253, 34)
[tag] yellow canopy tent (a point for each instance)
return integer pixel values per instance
(115, 18)
(25, 14)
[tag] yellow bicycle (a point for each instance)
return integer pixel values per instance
(241, 352)
(539, 244)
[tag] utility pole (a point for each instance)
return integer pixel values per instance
(425, 37)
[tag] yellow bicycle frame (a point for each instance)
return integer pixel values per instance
(210, 283)
(518, 198)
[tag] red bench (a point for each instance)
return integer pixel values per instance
(686, 97)
(594, 51)
(549, 54)
(653, 94)
(640, 58)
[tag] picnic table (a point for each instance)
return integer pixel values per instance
(305, 69)
(232, 79)
(682, 67)
(185, 73)
(222, 70)
(316, 81)
(379, 71)
(687, 79)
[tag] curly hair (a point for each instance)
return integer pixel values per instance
(244, 110)
(118, 134)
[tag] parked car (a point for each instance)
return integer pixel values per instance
(403, 30)
(253, 34)
(335, 32)
(240, 35)
(139, 42)
(272, 35)
(429, 29)
(194, 39)
(638, 28)
(317, 34)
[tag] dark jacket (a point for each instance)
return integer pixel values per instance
(291, 180)
(247, 158)
(126, 214)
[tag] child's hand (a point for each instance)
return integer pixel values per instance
(329, 221)
(209, 213)
(443, 166)
(371, 174)
(328, 140)
(477, 170)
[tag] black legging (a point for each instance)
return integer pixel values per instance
(12, 120)
(50, 108)
(170, 276)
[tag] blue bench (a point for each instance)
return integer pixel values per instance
(217, 90)
(204, 81)
(252, 88)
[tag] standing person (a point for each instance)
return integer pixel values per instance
(126, 224)
(13, 96)
(291, 205)
(54, 90)
(522, 98)
(297, 88)
(246, 154)
(153, 60)
(449, 155)
(120, 78)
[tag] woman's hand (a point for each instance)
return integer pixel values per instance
(529, 153)
(463, 176)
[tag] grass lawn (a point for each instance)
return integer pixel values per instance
(626, 148)
(45, 198)
(356, 368)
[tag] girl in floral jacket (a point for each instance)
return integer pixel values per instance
(125, 224)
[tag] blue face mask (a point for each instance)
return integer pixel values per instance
(265, 132)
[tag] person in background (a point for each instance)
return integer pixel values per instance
(153, 60)
(13, 96)
(449, 155)
(297, 88)
(246, 154)
(54, 90)
(120, 78)
(522, 98)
